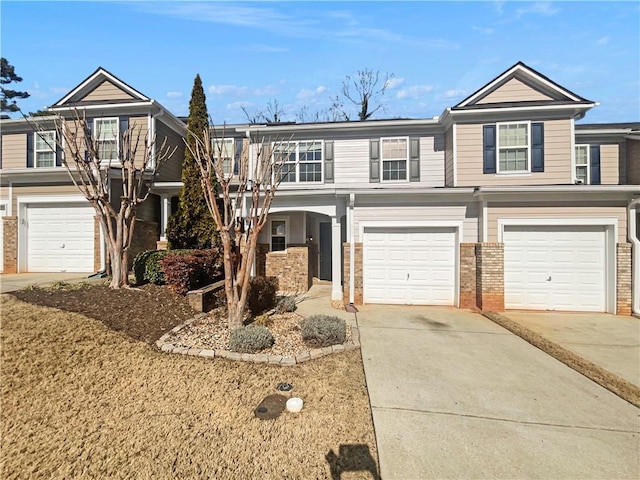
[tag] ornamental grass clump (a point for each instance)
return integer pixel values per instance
(286, 305)
(323, 330)
(250, 339)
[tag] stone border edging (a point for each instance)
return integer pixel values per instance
(615, 384)
(164, 345)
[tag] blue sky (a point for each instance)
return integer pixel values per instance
(298, 53)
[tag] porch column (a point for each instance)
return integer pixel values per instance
(165, 212)
(336, 262)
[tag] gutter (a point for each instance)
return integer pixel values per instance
(632, 233)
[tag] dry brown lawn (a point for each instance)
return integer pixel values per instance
(82, 401)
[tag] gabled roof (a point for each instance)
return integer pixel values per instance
(533, 79)
(92, 82)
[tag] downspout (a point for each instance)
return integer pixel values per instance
(632, 233)
(352, 250)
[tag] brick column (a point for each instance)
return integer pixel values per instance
(490, 276)
(10, 244)
(623, 279)
(291, 267)
(358, 298)
(467, 275)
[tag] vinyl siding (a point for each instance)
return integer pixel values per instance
(351, 161)
(514, 90)
(49, 190)
(557, 158)
(566, 211)
(609, 161)
(399, 211)
(106, 91)
(448, 158)
(139, 125)
(633, 162)
(170, 170)
(432, 161)
(14, 151)
(295, 226)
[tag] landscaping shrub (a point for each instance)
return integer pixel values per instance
(262, 294)
(140, 266)
(250, 339)
(286, 305)
(153, 272)
(190, 269)
(323, 330)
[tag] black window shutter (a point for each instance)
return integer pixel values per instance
(124, 124)
(595, 164)
(238, 155)
(58, 155)
(537, 147)
(489, 149)
(328, 161)
(414, 159)
(90, 133)
(374, 161)
(30, 140)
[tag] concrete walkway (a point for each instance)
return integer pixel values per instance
(454, 395)
(17, 281)
(610, 341)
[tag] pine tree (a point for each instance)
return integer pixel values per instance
(8, 75)
(191, 225)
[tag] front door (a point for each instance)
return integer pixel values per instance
(325, 251)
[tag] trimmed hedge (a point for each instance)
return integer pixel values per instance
(250, 339)
(147, 267)
(261, 295)
(191, 269)
(323, 330)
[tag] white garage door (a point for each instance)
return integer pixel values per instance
(555, 268)
(413, 266)
(59, 237)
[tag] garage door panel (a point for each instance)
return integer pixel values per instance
(555, 267)
(60, 237)
(418, 264)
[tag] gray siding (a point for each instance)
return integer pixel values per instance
(170, 171)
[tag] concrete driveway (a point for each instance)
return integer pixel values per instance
(17, 281)
(454, 395)
(610, 341)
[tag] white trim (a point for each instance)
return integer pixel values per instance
(455, 154)
(573, 150)
(297, 162)
(582, 106)
(101, 72)
(287, 221)
(528, 146)
(574, 164)
(406, 160)
(96, 133)
(485, 221)
(103, 106)
(10, 209)
(50, 148)
(611, 238)
(513, 71)
(456, 224)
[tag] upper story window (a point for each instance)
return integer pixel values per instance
(224, 148)
(394, 155)
(513, 147)
(45, 149)
(302, 161)
(106, 134)
(582, 172)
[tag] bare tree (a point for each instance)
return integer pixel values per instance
(272, 113)
(365, 91)
(82, 155)
(246, 198)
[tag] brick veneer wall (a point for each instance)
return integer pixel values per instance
(358, 282)
(10, 244)
(261, 259)
(468, 275)
(291, 268)
(490, 276)
(623, 279)
(96, 243)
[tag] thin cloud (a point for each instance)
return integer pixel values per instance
(262, 48)
(545, 9)
(483, 30)
(415, 91)
(394, 82)
(603, 41)
(241, 90)
(174, 94)
(306, 93)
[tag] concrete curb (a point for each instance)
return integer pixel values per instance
(165, 346)
(615, 384)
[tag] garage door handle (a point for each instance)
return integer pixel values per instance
(62, 246)
(549, 279)
(407, 276)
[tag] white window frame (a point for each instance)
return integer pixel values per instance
(576, 165)
(49, 149)
(296, 152)
(96, 131)
(285, 236)
(528, 147)
(406, 159)
(216, 143)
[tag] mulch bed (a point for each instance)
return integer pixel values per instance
(144, 313)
